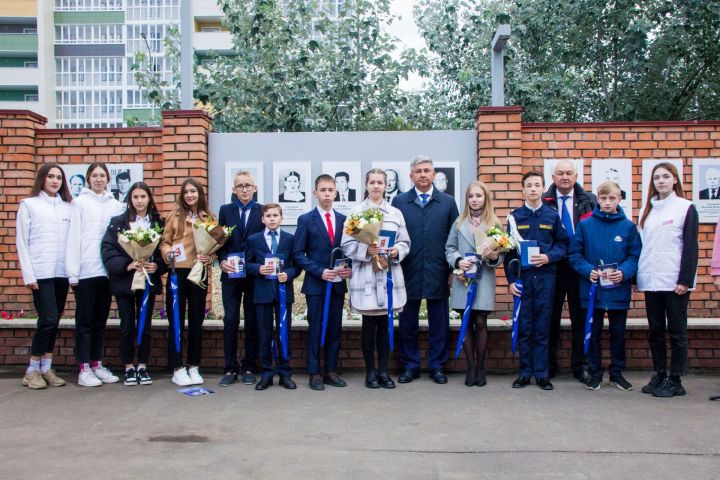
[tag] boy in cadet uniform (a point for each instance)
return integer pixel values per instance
(535, 221)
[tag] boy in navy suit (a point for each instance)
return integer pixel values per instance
(318, 234)
(270, 242)
(244, 214)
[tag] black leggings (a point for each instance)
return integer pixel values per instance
(92, 299)
(374, 334)
(129, 310)
(194, 297)
(49, 300)
(476, 339)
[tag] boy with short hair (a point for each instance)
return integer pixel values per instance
(318, 235)
(535, 221)
(270, 243)
(606, 237)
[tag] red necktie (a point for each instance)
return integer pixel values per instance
(331, 233)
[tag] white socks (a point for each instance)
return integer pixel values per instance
(46, 365)
(34, 365)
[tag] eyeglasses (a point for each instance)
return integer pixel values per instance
(245, 188)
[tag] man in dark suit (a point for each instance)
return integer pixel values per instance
(572, 203)
(269, 243)
(429, 215)
(244, 214)
(712, 180)
(316, 246)
(342, 182)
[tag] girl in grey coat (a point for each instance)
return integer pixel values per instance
(467, 236)
(368, 289)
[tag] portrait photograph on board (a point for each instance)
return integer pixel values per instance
(292, 189)
(348, 183)
(616, 170)
(706, 188)
(398, 178)
(122, 176)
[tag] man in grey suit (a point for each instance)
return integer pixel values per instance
(429, 215)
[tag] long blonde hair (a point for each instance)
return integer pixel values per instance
(488, 212)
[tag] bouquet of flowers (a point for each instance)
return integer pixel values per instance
(365, 228)
(140, 243)
(500, 239)
(209, 237)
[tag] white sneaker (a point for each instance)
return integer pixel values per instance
(88, 379)
(181, 378)
(105, 375)
(195, 376)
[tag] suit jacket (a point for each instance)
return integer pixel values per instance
(266, 291)
(350, 195)
(312, 249)
(425, 268)
(230, 216)
(705, 194)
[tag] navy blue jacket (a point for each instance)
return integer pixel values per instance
(425, 268)
(312, 248)
(266, 291)
(543, 225)
(230, 216)
(612, 238)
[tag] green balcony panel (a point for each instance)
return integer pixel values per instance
(16, 62)
(18, 42)
(85, 18)
(10, 95)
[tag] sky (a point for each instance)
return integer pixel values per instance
(408, 35)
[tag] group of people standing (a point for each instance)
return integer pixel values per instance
(574, 235)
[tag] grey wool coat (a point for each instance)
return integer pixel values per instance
(459, 242)
(368, 289)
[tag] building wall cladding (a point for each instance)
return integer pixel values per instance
(506, 149)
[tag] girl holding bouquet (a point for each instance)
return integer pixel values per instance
(42, 227)
(140, 216)
(178, 247)
(90, 216)
(368, 287)
(473, 233)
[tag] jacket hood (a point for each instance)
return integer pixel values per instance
(609, 217)
(103, 197)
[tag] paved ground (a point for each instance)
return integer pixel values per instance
(416, 431)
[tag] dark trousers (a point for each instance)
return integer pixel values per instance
(92, 306)
(617, 320)
(374, 334)
(534, 323)
(438, 312)
(190, 298)
(667, 312)
(233, 292)
(129, 310)
(316, 304)
(567, 285)
(266, 312)
(49, 300)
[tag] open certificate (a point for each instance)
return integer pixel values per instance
(277, 261)
(236, 261)
(386, 239)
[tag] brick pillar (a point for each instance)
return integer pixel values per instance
(500, 155)
(17, 175)
(184, 151)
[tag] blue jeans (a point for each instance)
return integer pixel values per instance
(616, 325)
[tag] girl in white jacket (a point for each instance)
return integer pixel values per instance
(41, 230)
(90, 216)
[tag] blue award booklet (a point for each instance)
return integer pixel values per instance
(237, 262)
(605, 270)
(277, 261)
(341, 263)
(473, 272)
(528, 248)
(386, 239)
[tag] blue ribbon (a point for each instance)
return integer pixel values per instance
(283, 322)
(589, 317)
(326, 311)
(175, 309)
(143, 311)
(472, 292)
(517, 301)
(391, 324)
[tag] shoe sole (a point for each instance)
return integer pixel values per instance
(680, 394)
(130, 384)
(146, 382)
(521, 386)
(87, 385)
(615, 384)
(588, 387)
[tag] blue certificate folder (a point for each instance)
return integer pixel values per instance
(386, 238)
(526, 251)
(473, 272)
(277, 261)
(237, 261)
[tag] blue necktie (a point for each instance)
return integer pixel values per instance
(243, 216)
(424, 198)
(273, 241)
(565, 217)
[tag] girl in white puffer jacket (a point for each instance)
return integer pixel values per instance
(90, 216)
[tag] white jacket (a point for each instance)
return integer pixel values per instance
(90, 217)
(41, 237)
(662, 244)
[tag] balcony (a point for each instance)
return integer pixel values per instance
(206, 10)
(217, 41)
(18, 43)
(19, 77)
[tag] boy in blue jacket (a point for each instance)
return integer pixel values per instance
(535, 221)
(606, 237)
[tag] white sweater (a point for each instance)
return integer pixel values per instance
(90, 217)
(41, 234)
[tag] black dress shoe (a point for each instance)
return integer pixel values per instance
(583, 376)
(470, 378)
(408, 375)
(544, 383)
(521, 382)
(264, 383)
(385, 381)
(248, 378)
(288, 383)
(371, 381)
(481, 379)
(228, 379)
(438, 376)
(316, 382)
(334, 380)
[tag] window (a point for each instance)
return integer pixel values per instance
(30, 64)
(29, 30)
(32, 97)
(210, 29)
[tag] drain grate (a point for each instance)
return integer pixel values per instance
(179, 438)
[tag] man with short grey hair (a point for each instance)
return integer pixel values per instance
(429, 214)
